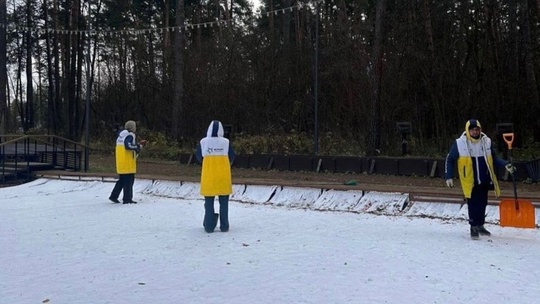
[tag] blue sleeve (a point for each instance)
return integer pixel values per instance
(232, 155)
(497, 161)
(128, 144)
(198, 154)
(450, 163)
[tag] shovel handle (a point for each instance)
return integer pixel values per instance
(509, 139)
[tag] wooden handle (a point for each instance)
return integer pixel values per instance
(509, 139)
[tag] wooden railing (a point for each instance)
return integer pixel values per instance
(20, 154)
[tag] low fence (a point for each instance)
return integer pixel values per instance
(533, 169)
(20, 154)
(406, 166)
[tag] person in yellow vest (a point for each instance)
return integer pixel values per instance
(216, 155)
(476, 161)
(127, 150)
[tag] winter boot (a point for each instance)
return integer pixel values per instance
(483, 231)
(474, 233)
(114, 200)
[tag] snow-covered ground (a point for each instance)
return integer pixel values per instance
(62, 241)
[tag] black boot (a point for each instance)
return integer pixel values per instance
(474, 233)
(483, 231)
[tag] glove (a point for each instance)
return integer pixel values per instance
(510, 168)
(143, 142)
(450, 183)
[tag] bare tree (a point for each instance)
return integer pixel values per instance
(28, 121)
(286, 23)
(530, 78)
(374, 131)
(178, 99)
(4, 113)
(58, 118)
(51, 92)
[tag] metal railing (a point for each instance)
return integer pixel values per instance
(533, 168)
(20, 154)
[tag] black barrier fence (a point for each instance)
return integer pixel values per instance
(405, 166)
(533, 169)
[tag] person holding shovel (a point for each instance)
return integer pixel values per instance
(476, 161)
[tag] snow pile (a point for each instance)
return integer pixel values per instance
(382, 203)
(356, 201)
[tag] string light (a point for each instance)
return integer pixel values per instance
(111, 32)
(185, 27)
(299, 6)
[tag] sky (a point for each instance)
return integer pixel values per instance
(256, 4)
(62, 241)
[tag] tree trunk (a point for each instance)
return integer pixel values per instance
(73, 74)
(374, 133)
(79, 104)
(17, 102)
(513, 62)
(434, 100)
(530, 77)
(286, 23)
(50, 80)
(57, 101)
(4, 113)
(167, 51)
(29, 105)
(177, 109)
(271, 20)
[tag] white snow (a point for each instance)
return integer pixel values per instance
(62, 241)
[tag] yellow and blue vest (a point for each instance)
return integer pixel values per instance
(126, 153)
(216, 155)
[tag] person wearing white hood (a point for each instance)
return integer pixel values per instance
(216, 155)
(476, 161)
(126, 152)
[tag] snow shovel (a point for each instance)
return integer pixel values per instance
(515, 212)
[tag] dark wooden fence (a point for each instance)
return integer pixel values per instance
(406, 166)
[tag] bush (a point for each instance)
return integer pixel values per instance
(161, 147)
(294, 143)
